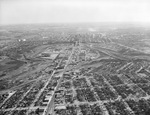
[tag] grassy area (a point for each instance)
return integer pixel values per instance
(11, 65)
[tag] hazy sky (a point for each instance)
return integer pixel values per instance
(63, 11)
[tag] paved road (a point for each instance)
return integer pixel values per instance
(50, 105)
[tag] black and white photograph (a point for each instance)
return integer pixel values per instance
(74, 57)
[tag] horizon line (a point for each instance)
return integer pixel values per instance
(57, 23)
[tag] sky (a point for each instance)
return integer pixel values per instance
(73, 11)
